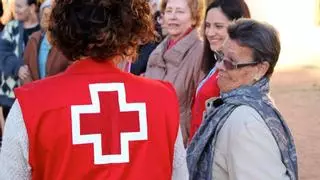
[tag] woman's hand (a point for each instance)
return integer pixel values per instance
(24, 74)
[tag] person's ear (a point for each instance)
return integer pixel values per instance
(33, 9)
(194, 22)
(262, 69)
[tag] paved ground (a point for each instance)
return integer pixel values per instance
(297, 94)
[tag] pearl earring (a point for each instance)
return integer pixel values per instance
(256, 78)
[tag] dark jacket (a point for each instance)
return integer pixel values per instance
(9, 63)
(140, 65)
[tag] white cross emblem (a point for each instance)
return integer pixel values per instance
(95, 139)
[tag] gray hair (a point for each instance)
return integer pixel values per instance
(262, 38)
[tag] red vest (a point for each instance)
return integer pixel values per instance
(208, 90)
(95, 122)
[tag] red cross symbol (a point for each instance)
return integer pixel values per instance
(103, 126)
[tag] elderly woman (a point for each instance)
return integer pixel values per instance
(219, 15)
(244, 136)
(178, 58)
(94, 121)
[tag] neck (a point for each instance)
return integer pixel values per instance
(180, 36)
(175, 38)
(115, 59)
(31, 22)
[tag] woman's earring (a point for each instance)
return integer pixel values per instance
(256, 78)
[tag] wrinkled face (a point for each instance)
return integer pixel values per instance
(22, 10)
(229, 79)
(177, 17)
(216, 24)
(44, 22)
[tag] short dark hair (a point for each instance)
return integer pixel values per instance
(232, 9)
(35, 3)
(262, 38)
(29, 2)
(100, 29)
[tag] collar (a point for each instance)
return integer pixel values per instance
(88, 65)
(172, 42)
(175, 54)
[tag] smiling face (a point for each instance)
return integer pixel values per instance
(229, 79)
(177, 17)
(22, 10)
(216, 24)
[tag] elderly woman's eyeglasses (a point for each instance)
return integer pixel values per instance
(229, 65)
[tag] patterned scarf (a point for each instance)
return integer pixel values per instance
(201, 151)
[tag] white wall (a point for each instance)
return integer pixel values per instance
(296, 23)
